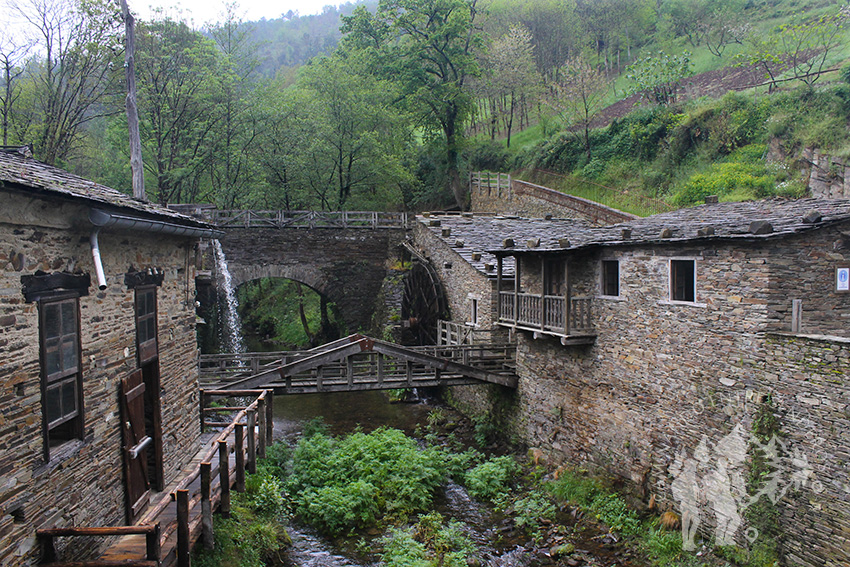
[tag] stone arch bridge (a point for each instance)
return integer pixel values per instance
(344, 256)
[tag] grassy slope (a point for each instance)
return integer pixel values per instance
(629, 178)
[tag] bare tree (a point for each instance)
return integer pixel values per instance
(12, 55)
(136, 163)
(77, 42)
(579, 95)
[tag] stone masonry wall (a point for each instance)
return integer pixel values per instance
(664, 377)
(346, 265)
(534, 201)
(84, 487)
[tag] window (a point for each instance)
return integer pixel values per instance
(146, 323)
(683, 280)
(61, 377)
(474, 314)
(611, 278)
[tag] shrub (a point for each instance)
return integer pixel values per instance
(430, 543)
(531, 510)
(349, 482)
(490, 481)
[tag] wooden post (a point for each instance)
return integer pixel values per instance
(203, 405)
(498, 288)
(183, 544)
(224, 478)
(380, 369)
(320, 371)
(269, 416)
(255, 365)
(252, 448)
(567, 298)
(240, 457)
(206, 506)
(516, 289)
(409, 372)
(261, 430)
(543, 276)
(349, 370)
(796, 315)
(152, 539)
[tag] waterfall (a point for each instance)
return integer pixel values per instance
(230, 327)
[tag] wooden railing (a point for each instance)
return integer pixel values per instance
(490, 184)
(388, 366)
(546, 313)
(454, 333)
(206, 485)
(308, 219)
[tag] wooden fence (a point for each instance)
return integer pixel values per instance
(184, 514)
(308, 219)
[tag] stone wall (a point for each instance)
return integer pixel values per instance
(534, 201)
(346, 265)
(84, 487)
(665, 378)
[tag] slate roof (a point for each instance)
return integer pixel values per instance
(22, 173)
(725, 221)
(484, 233)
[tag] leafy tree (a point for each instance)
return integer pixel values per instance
(579, 95)
(427, 46)
(357, 139)
(178, 70)
(659, 77)
(70, 86)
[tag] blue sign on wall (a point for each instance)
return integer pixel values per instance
(842, 279)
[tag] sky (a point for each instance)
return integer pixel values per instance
(200, 12)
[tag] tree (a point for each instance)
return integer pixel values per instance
(512, 73)
(231, 172)
(11, 56)
(178, 70)
(427, 46)
(659, 77)
(357, 140)
(78, 40)
(579, 95)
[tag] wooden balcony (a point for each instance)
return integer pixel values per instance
(548, 315)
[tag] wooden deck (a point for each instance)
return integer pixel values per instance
(357, 363)
(181, 516)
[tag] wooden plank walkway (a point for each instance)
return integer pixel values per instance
(181, 515)
(362, 363)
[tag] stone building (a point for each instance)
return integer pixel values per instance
(98, 356)
(653, 345)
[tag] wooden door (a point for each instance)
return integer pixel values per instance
(136, 443)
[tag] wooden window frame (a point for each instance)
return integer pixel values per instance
(71, 422)
(475, 314)
(604, 279)
(149, 348)
(554, 276)
(679, 280)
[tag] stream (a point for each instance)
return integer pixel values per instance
(498, 543)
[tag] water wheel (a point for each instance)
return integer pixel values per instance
(423, 304)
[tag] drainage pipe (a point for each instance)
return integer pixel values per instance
(98, 264)
(101, 219)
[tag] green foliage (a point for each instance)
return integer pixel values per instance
(658, 77)
(431, 542)
(340, 484)
(254, 535)
(491, 480)
(663, 546)
(531, 510)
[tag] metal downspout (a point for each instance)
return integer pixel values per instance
(98, 263)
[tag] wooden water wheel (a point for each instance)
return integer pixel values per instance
(423, 304)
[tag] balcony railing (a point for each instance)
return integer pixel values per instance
(546, 313)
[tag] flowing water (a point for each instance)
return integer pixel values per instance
(230, 326)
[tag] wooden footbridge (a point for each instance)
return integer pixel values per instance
(357, 363)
